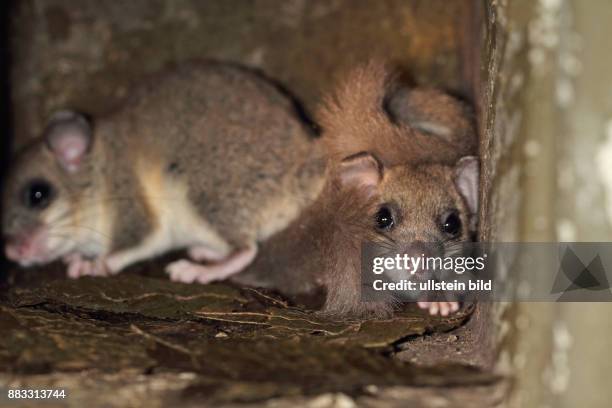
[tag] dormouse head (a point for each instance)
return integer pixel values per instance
(42, 190)
(432, 204)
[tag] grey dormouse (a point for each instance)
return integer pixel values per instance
(208, 157)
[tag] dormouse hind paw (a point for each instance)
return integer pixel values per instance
(188, 272)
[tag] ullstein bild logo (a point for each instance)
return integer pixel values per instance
(563, 272)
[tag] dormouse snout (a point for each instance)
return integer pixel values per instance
(420, 249)
(27, 249)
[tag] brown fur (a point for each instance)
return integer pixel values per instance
(218, 137)
(322, 249)
(357, 117)
(417, 136)
(347, 225)
(408, 131)
(419, 196)
(231, 137)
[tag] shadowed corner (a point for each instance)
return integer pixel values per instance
(6, 134)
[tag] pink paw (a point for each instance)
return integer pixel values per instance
(79, 266)
(444, 308)
(202, 253)
(189, 272)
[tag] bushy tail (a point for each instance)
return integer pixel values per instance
(370, 112)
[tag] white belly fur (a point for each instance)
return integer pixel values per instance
(176, 222)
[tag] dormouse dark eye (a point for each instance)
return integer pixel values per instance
(38, 194)
(451, 224)
(384, 218)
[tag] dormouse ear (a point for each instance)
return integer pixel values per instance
(467, 179)
(361, 171)
(68, 136)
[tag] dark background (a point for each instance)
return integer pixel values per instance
(5, 106)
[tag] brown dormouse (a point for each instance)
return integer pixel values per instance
(401, 169)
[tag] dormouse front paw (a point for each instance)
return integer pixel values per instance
(442, 308)
(78, 266)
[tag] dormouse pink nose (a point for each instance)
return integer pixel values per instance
(16, 247)
(26, 248)
(422, 249)
(13, 251)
